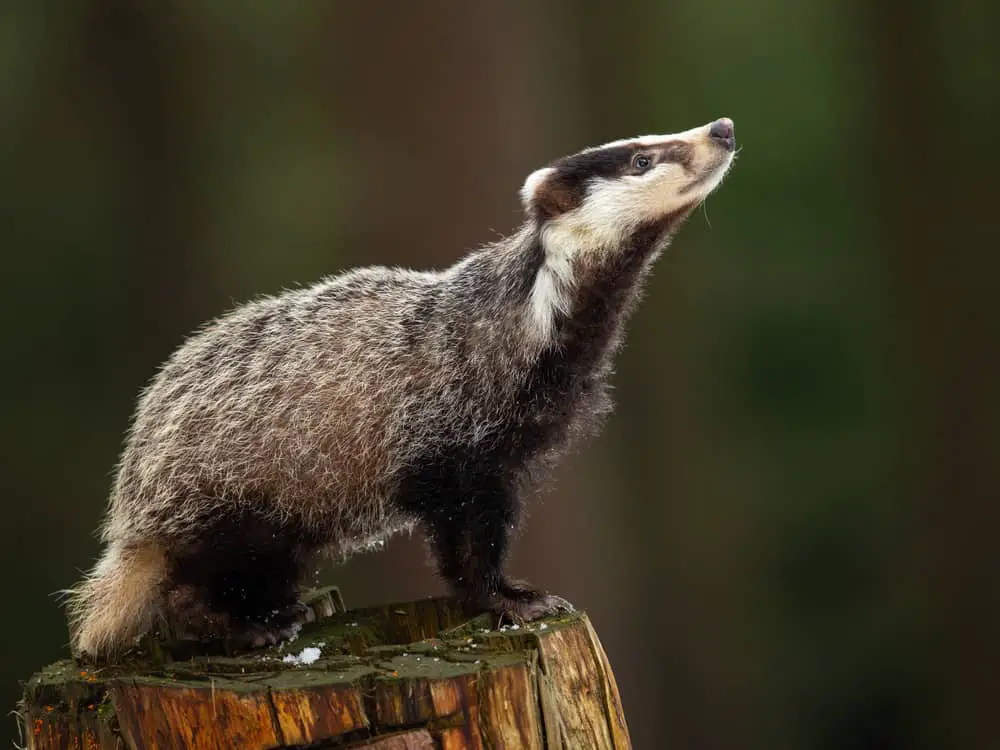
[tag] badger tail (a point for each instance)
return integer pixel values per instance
(117, 601)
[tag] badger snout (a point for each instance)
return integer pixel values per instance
(721, 131)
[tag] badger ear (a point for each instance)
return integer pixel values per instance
(534, 186)
(546, 194)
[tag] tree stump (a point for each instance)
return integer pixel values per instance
(398, 677)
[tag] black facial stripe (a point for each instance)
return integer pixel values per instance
(605, 162)
(564, 190)
(676, 152)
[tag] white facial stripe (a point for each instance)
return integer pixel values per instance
(653, 140)
(614, 207)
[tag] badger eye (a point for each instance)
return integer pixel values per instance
(641, 162)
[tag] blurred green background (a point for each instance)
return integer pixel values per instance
(786, 536)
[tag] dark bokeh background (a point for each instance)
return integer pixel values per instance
(786, 536)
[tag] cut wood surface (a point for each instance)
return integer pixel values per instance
(396, 677)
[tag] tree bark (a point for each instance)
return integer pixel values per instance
(414, 675)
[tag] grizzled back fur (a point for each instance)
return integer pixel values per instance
(317, 404)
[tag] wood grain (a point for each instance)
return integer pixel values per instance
(395, 677)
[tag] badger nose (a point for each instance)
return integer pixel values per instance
(722, 131)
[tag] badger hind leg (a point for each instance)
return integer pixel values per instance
(117, 601)
(238, 583)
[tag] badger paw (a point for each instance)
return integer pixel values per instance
(517, 602)
(277, 627)
(192, 619)
(257, 635)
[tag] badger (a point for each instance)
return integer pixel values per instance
(326, 418)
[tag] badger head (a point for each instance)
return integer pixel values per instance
(597, 197)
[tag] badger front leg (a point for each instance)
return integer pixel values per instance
(470, 533)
